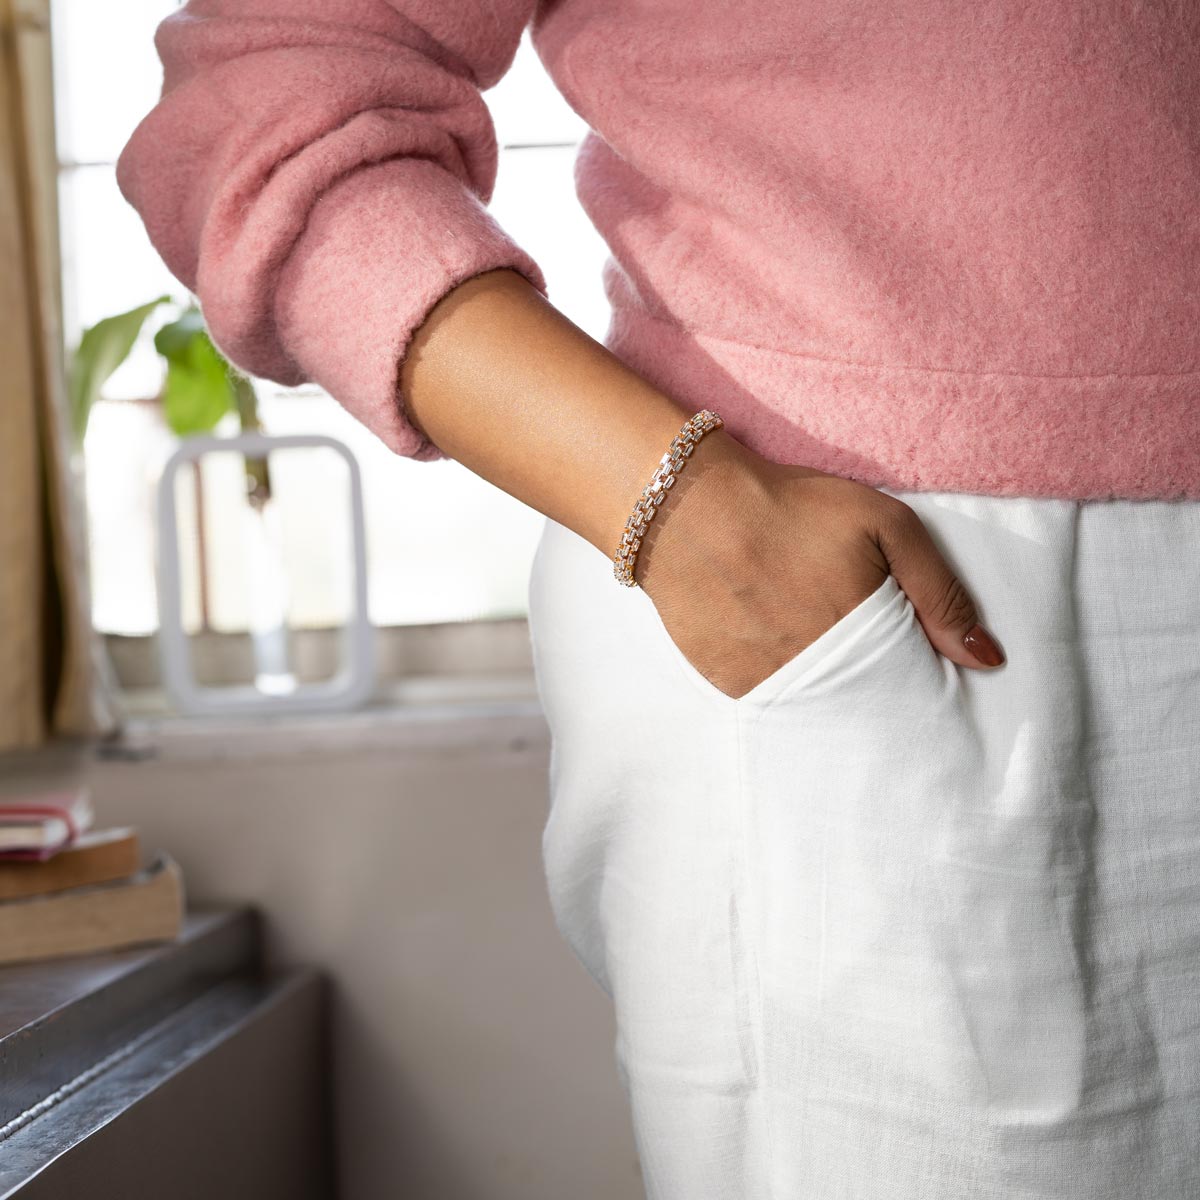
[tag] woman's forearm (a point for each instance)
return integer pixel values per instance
(751, 561)
(500, 380)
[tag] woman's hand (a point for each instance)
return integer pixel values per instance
(751, 561)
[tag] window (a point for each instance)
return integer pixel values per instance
(474, 559)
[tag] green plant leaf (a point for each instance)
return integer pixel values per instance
(102, 349)
(199, 390)
(175, 338)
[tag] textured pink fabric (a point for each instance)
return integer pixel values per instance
(928, 245)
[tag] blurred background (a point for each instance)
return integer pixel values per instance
(474, 556)
(390, 839)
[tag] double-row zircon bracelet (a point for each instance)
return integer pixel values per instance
(655, 492)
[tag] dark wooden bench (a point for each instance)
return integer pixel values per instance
(184, 1071)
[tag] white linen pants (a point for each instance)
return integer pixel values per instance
(887, 928)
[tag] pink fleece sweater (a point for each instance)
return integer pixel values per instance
(930, 245)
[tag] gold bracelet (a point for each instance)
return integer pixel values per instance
(655, 492)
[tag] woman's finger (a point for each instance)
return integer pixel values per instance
(944, 606)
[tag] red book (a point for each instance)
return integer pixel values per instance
(39, 824)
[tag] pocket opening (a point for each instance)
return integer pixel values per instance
(838, 636)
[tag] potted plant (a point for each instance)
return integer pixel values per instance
(199, 389)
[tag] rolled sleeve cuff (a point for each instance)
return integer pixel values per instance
(381, 247)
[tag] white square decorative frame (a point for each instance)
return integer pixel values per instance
(350, 687)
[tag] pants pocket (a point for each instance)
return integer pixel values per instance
(913, 912)
(837, 765)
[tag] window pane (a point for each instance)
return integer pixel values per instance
(126, 447)
(106, 73)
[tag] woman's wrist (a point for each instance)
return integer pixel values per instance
(700, 526)
(621, 469)
(501, 381)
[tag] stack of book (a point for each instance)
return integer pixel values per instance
(69, 888)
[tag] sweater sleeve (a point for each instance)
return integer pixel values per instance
(317, 172)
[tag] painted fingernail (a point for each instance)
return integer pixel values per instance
(983, 647)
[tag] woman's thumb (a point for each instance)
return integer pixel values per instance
(945, 608)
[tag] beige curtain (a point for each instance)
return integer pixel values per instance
(49, 684)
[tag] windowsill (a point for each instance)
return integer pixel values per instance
(405, 656)
(419, 715)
